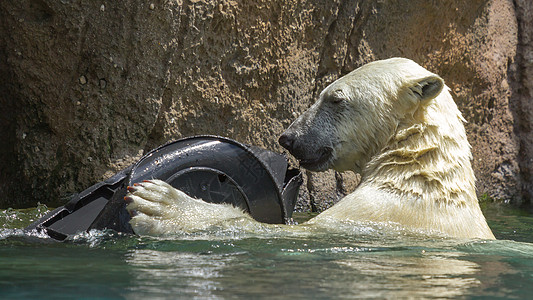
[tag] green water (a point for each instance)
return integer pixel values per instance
(348, 263)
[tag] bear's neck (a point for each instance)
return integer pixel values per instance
(428, 158)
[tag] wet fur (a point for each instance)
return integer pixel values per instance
(392, 121)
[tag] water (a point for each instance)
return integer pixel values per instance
(365, 262)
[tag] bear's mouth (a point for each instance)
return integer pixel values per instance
(318, 163)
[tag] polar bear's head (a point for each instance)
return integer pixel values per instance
(356, 116)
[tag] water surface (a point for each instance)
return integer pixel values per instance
(365, 262)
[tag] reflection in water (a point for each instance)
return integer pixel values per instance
(426, 275)
(167, 273)
(287, 268)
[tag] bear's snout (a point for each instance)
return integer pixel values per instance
(309, 157)
(289, 140)
(286, 141)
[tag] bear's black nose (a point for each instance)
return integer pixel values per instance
(286, 141)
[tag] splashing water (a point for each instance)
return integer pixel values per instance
(351, 261)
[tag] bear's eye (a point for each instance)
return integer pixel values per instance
(336, 99)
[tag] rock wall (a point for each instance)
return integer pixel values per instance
(87, 88)
(522, 96)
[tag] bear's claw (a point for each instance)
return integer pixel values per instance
(149, 197)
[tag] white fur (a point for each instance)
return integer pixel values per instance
(395, 123)
(157, 208)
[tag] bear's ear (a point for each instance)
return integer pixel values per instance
(427, 88)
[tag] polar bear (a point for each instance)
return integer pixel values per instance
(393, 122)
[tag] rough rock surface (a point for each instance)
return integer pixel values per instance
(87, 87)
(522, 96)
